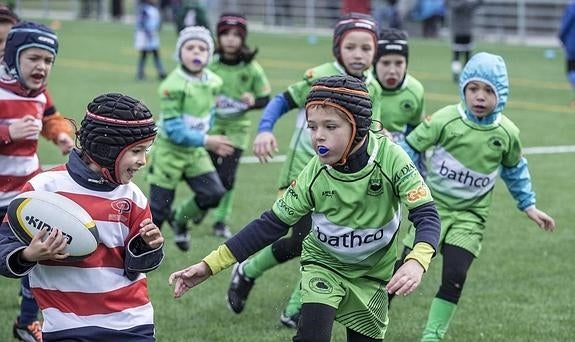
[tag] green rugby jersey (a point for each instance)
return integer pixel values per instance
(356, 216)
(189, 97)
(398, 110)
(238, 79)
(466, 157)
(300, 148)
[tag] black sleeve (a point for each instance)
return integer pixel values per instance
(261, 102)
(290, 101)
(256, 235)
(427, 224)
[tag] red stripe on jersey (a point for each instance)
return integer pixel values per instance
(20, 148)
(86, 304)
(102, 257)
(14, 183)
(122, 210)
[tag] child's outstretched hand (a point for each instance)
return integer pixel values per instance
(189, 277)
(248, 98)
(45, 246)
(543, 220)
(406, 279)
(151, 233)
(265, 145)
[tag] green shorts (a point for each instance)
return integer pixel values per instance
(237, 130)
(361, 303)
(464, 229)
(169, 164)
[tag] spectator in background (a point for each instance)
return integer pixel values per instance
(431, 14)
(461, 13)
(88, 6)
(191, 13)
(117, 9)
(567, 37)
(147, 39)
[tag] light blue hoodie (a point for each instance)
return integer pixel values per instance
(489, 69)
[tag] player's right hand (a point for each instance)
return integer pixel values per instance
(23, 128)
(220, 145)
(46, 246)
(189, 277)
(265, 145)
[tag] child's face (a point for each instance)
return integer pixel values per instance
(391, 69)
(132, 161)
(357, 52)
(480, 98)
(330, 133)
(35, 67)
(230, 41)
(4, 29)
(194, 55)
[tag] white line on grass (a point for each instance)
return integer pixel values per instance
(527, 150)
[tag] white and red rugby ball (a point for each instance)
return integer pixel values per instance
(33, 211)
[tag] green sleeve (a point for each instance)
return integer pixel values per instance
(299, 92)
(512, 157)
(410, 186)
(261, 86)
(425, 135)
(296, 201)
(171, 100)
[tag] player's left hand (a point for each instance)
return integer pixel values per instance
(189, 277)
(64, 143)
(248, 98)
(543, 220)
(151, 233)
(406, 279)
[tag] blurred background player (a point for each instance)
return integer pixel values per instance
(567, 37)
(399, 104)
(354, 44)
(472, 143)
(105, 295)
(187, 104)
(245, 88)
(147, 38)
(26, 111)
(461, 21)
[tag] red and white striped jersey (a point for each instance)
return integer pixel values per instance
(94, 292)
(18, 159)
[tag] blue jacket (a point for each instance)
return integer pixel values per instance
(567, 30)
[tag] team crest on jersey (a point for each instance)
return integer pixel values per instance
(407, 106)
(375, 187)
(320, 285)
(122, 207)
(495, 143)
(244, 78)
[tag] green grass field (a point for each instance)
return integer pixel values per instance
(521, 289)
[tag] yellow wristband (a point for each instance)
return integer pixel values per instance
(422, 252)
(220, 259)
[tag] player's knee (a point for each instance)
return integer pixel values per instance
(211, 199)
(452, 283)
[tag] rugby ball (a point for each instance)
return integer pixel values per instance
(33, 211)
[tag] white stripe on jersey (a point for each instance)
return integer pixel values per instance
(55, 320)
(7, 197)
(60, 181)
(351, 245)
(18, 165)
(76, 279)
(110, 235)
